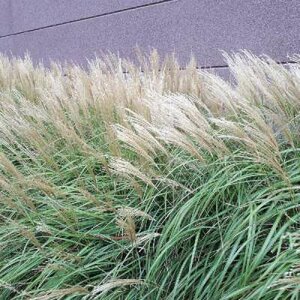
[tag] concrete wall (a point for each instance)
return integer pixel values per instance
(77, 29)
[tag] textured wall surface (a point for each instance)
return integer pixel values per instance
(33, 14)
(75, 30)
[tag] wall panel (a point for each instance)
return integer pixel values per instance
(188, 26)
(33, 14)
(6, 19)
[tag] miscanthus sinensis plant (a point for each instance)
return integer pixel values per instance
(149, 182)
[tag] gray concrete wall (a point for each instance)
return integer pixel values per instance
(77, 30)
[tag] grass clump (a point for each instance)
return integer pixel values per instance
(160, 184)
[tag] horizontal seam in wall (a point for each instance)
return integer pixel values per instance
(90, 17)
(227, 66)
(221, 66)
